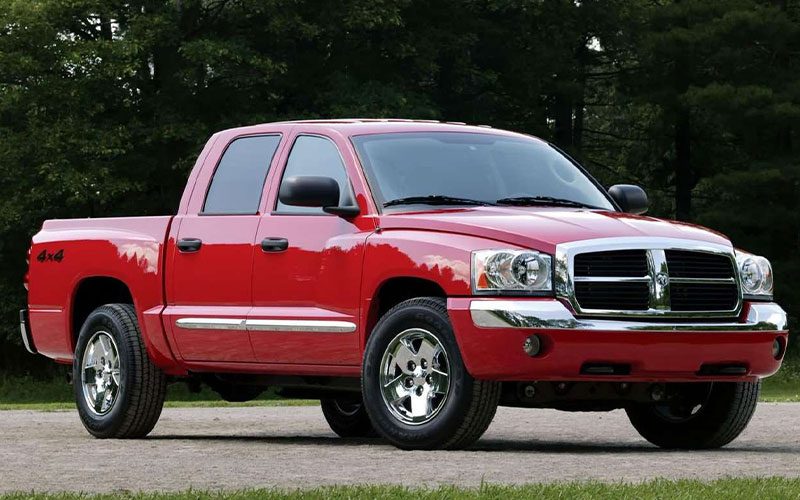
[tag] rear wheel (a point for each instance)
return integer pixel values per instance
(701, 415)
(119, 392)
(415, 386)
(347, 417)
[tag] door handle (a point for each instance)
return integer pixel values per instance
(188, 245)
(274, 244)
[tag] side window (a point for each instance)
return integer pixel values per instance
(313, 155)
(239, 178)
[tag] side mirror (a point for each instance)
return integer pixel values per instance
(314, 191)
(631, 199)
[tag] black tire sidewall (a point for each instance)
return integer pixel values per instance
(104, 319)
(347, 425)
(445, 424)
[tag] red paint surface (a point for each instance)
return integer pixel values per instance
(333, 270)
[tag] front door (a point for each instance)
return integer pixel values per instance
(210, 291)
(306, 277)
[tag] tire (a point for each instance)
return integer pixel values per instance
(724, 412)
(348, 419)
(458, 408)
(134, 408)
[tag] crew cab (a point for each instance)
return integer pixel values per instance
(412, 276)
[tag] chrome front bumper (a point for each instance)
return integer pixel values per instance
(551, 314)
(25, 331)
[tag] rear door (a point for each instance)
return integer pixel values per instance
(306, 291)
(210, 290)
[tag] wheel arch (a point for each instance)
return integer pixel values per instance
(394, 290)
(92, 292)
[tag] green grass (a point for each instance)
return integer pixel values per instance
(24, 393)
(784, 386)
(661, 489)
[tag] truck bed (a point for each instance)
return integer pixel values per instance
(68, 254)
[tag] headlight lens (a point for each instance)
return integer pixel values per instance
(755, 274)
(495, 271)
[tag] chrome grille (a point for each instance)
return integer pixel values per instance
(662, 277)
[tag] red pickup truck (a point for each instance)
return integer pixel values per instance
(412, 276)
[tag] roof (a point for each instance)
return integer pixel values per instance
(364, 126)
(378, 120)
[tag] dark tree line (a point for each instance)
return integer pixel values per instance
(104, 104)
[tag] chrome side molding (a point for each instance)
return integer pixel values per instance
(300, 325)
(553, 315)
(266, 325)
(211, 323)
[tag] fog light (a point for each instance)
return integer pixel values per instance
(777, 348)
(532, 345)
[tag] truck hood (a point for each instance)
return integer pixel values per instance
(542, 228)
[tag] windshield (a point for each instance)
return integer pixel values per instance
(461, 168)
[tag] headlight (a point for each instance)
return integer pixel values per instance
(496, 271)
(755, 274)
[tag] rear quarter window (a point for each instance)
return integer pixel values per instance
(239, 178)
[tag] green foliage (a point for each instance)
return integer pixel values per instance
(104, 104)
(721, 489)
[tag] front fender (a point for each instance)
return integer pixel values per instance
(439, 257)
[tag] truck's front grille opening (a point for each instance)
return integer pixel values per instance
(613, 296)
(704, 296)
(686, 264)
(620, 263)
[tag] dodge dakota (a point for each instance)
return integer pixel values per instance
(413, 276)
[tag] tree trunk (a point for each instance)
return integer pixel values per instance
(563, 120)
(580, 101)
(105, 28)
(684, 177)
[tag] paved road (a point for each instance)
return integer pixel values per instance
(292, 447)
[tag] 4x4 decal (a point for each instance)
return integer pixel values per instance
(45, 256)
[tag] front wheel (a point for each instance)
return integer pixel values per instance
(699, 416)
(119, 392)
(416, 389)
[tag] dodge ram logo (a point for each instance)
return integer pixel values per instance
(662, 279)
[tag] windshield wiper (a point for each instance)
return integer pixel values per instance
(434, 199)
(525, 201)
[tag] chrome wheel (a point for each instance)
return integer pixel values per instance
(100, 374)
(414, 376)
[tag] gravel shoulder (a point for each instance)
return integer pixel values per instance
(292, 447)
